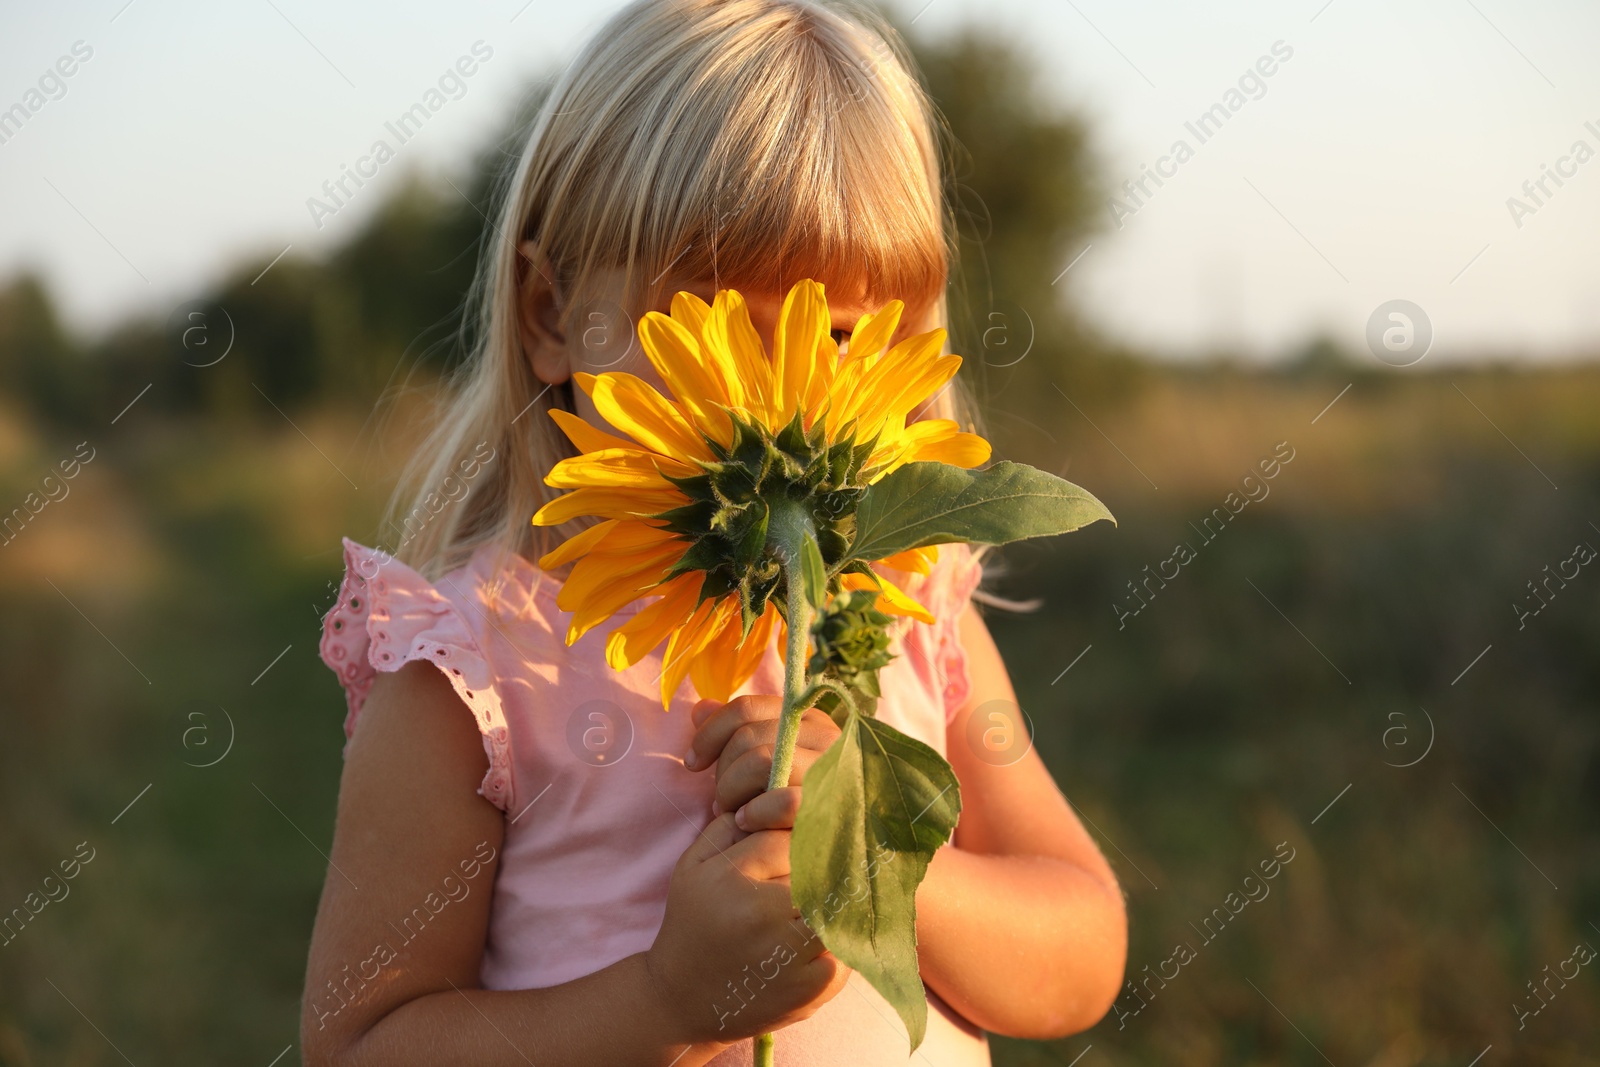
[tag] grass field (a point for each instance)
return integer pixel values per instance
(1355, 617)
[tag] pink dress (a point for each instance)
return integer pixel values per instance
(589, 771)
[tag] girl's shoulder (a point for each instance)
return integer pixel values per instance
(388, 615)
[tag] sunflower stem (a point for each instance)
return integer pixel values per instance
(795, 679)
(788, 532)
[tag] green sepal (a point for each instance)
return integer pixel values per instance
(812, 573)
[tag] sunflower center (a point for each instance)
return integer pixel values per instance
(755, 497)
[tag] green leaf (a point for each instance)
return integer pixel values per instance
(935, 503)
(813, 573)
(876, 807)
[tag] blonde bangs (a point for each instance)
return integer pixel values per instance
(780, 141)
(851, 230)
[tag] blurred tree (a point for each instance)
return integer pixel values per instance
(38, 362)
(1023, 183)
(408, 270)
(1019, 173)
(1322, 356)
(279, 344)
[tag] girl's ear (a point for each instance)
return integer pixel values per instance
(539, 308)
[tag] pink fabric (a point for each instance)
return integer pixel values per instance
(589, 847)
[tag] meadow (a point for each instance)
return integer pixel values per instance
(1304, 656)
(1343, 680)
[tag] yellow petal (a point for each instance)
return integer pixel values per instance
(691, 311)
(686, 641)
(630, 537)
(871, 393)
(610, 467)
(577, 545)
(587, 438)
(907, 374)
(960, 449)
(841, 393)
(693, 314)
(873, 333)
(619, 467)
(627, 550)
(754, 647)
(888, 412)
(600, 585)
(938, 440)
(675, 354)
(728, 662)
(927, 383)
(712, 669)
(729, 332)
(654, 623)
(822, 377)
(607, 502)
(632, 405)
(891, 600)
(802, 325)
(904, 358)
(621, 548)
(913, 560)
(607, 589)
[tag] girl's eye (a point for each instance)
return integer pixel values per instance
(839, 336)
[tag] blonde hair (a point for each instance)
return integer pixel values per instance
(753, 142)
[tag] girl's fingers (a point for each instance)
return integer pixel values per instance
(817, 732)
(721, 835)
(807, 945)
(720, 723)
(826, 975)
(761, 857)
(703, 708)
(747, 777)
(774, 810)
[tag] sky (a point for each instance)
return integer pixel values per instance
(1384, 158)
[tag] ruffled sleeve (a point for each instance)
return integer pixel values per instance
(388, 615)
(945, 591)
(961, 578)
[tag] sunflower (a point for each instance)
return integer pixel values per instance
(692, 499)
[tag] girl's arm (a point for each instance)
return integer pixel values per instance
(1020, 926)
(392, 978)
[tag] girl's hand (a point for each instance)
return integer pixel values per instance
(733, 958)
(738, 738)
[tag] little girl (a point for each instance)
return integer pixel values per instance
(532, 862)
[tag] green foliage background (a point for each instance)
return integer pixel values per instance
(1269, 676)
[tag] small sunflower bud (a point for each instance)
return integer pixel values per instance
(850, 641)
